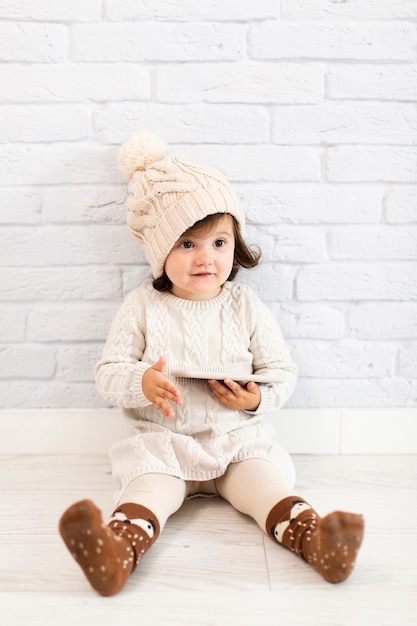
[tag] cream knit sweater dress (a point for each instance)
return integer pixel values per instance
(234, 333)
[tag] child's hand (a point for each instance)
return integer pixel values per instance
(158, 389)
(234, 396)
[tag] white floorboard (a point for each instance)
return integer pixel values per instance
(211, 566)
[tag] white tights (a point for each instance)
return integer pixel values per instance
(252, 487)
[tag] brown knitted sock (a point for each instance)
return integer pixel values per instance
(108, 554)
(330, 544)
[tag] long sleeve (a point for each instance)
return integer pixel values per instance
(120, 370)
(271, 355)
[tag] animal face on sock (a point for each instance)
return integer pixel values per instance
(121, 516)
(297, 506)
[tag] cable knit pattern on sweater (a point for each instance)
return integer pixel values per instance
(234, 333)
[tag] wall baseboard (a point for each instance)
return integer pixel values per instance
(300, 431)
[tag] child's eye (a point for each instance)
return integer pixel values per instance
(186, 244)
(219, 243)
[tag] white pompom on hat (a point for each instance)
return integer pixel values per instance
(168, 195)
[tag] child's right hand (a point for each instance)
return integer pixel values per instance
(158, 389)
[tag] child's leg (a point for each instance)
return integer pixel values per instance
(330, 544)
(108, 553)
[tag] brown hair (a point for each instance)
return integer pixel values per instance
(245, 256)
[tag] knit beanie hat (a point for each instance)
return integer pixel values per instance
(168, 195)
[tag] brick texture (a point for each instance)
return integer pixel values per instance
(307, 106)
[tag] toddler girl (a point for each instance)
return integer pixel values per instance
(197, 360)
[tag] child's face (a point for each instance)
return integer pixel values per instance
(199, 265)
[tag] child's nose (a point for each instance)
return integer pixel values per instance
(204, 256)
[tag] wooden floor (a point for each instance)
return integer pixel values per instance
(211, 565)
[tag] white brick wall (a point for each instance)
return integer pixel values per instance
(308, 106)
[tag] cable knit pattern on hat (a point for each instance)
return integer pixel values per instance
(168, 194)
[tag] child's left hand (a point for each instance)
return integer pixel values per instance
(234, 396)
